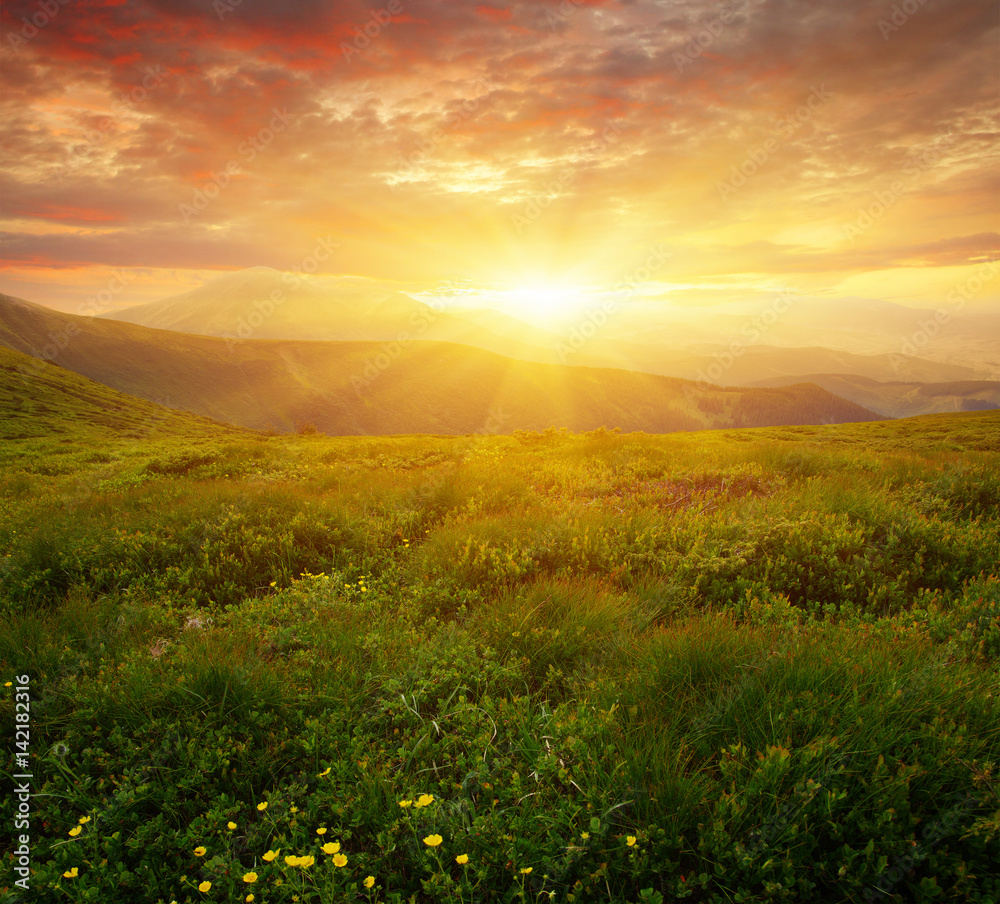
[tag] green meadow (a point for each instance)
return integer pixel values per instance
(741, 666)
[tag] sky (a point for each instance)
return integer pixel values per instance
(529, 151)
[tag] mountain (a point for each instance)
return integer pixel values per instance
(378, 388)
(902, 399)
(261, 303)
(756, 363)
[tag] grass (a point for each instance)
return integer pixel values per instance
(750, 666)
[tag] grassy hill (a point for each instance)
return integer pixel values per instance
(50, 401)
(389, 388)
(596, 667)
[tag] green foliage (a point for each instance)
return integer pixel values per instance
(752, 666)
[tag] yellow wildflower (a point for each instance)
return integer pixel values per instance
(324, 772)
(72, 873)
(331, 847)
(271, 855)
(230, 826)
(526, 870)
(630, 841)
(76, 830)
(339, 860)
(462, 859)
(199, 851)
(369, 882)
(405, 803)
(262, 806)
(321, 831)
(425, 800)
(205, 886)
(433, 840)
(249, 877)
(84, 820)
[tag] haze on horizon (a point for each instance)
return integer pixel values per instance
(531, 156)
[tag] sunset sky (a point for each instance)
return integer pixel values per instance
(151, 144)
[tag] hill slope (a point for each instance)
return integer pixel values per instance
(378, 388)
(51, 401)
(903, 399)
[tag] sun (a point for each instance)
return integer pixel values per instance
(542, 302)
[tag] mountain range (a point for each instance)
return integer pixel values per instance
(392, 386)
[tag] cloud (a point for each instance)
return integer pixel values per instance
(454, 115)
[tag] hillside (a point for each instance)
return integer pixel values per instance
(49, 401)
(902, 399)
(378, 388)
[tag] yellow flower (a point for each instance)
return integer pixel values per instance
(369, 882)
(630, 841)
(271, 855)
(526, 869)
(84, 820)
(433, 840)
(248, 899)
(324, 772)
(205, 886)
(331, 847)
(199, 851)
(76, 830)
(321, 831)
(72, 873)
(405, 803)
(293, 809)
(230, 826)
(339, 860)
(462, 859)
(262, 806)
(585, 835)
(250, 877)
(8, 684)
(307, 861)
(292, 860)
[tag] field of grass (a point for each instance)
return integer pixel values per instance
(758, 665)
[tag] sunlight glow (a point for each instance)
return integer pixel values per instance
(542, 302)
